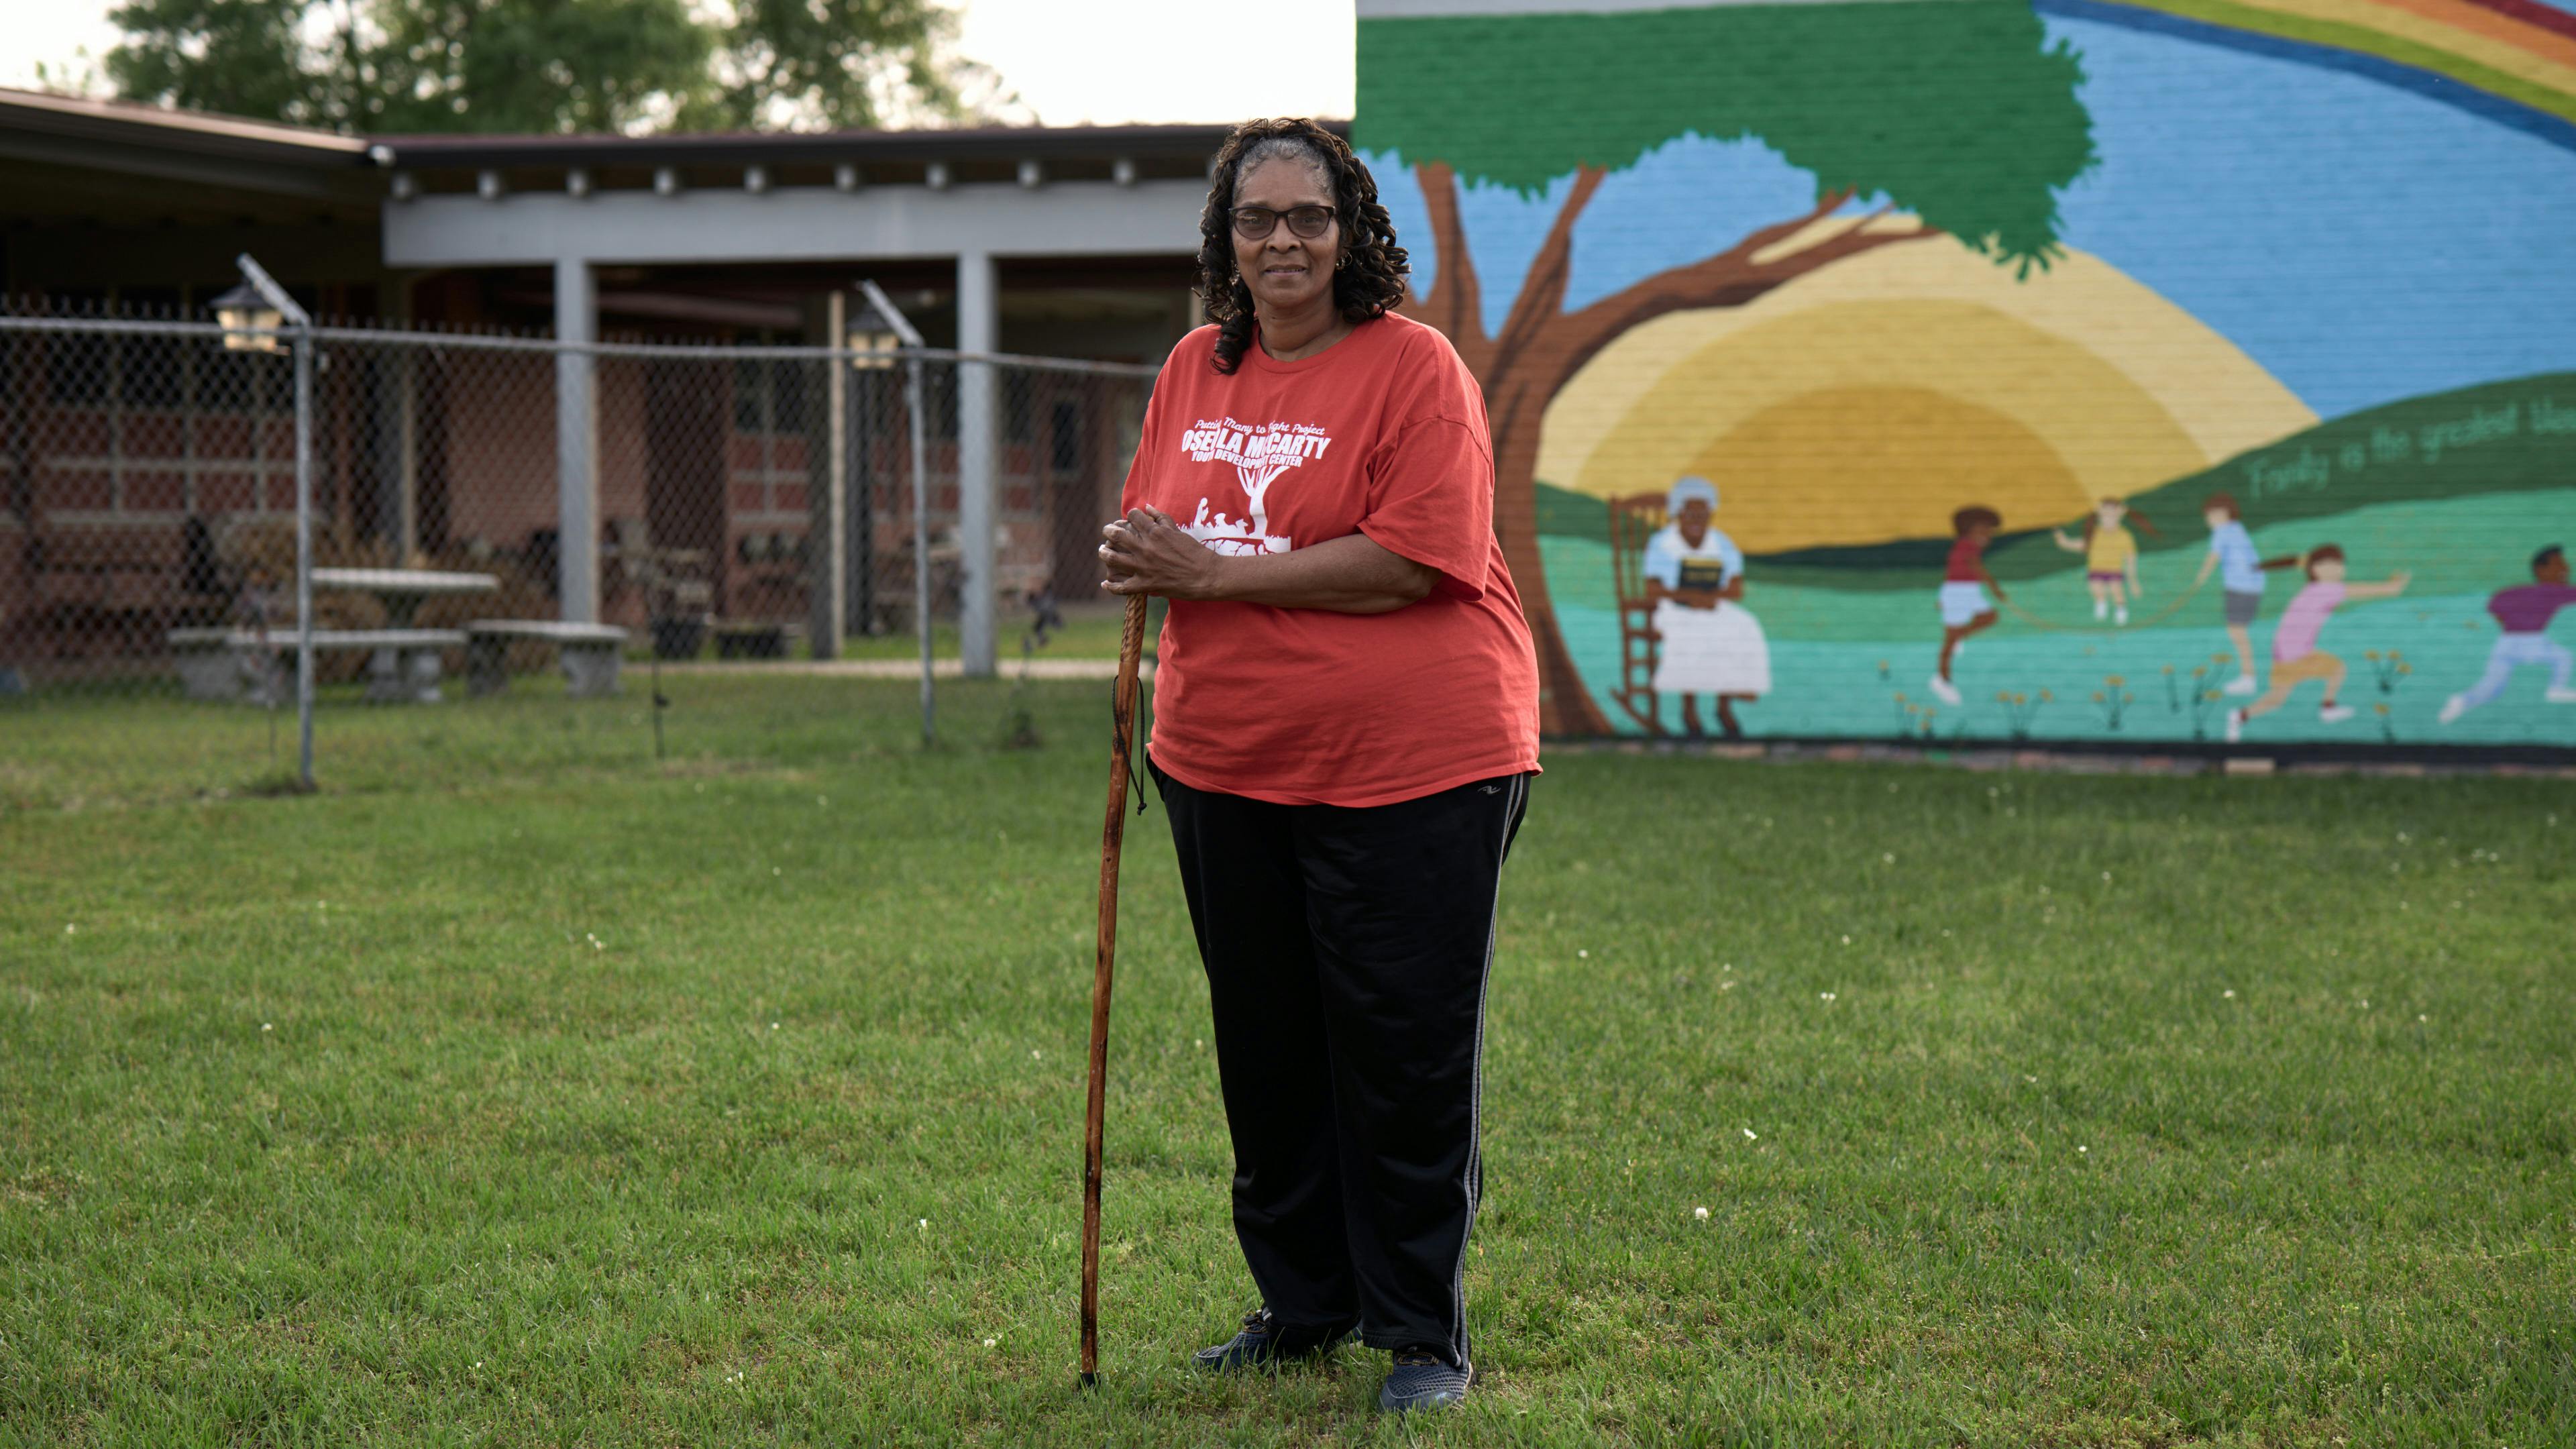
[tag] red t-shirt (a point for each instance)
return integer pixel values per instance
(1967, 560)
(1382, 434)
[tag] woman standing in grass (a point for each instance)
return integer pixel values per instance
(1346, 723)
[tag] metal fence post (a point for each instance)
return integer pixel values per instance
(304, 554)
(300, 324)
(920, 539)
(859, 530)
(904, 331)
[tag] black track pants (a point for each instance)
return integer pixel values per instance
(1346, 953)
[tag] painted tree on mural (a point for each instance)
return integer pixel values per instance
(1917, 121)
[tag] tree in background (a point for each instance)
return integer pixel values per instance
(1958, 119)
(395, 66)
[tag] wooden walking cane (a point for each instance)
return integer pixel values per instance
(1113, 833)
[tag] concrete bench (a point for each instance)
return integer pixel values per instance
(756, 638)
(589, 654)
(224, 664)
(232, 664)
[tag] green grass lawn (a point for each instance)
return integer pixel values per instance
(519, 1089)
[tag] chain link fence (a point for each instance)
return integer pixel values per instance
(751, 503)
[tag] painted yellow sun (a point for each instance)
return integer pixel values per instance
(1871, 400)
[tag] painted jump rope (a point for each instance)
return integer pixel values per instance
(2167, 612)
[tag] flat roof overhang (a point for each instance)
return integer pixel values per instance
(1069, 191)
(1073, 192)
(1063, 219)
(1147, 145)
(68, 158)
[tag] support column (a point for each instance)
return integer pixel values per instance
(576, 432)
(979, 329)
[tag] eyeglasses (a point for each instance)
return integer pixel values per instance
(1253, 223)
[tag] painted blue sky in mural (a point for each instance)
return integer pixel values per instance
(2340, 311)
(2340, 275)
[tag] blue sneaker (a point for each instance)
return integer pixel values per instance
(1265, 1341)
(1423, 1380)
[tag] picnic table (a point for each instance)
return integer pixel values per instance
(404, 590)
(404, 663)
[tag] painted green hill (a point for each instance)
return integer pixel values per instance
(2494, 439)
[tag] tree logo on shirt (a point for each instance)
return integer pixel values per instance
(1261, 453)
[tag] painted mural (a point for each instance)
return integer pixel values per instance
(1988, 370)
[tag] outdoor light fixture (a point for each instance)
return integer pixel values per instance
(872, 341)
(250, 323)
(871, 344)
(877, 327)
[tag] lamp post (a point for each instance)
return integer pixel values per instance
(887, 330)
(845, 571)
(254, 316)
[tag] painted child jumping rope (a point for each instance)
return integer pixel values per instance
(2296, 658)
(1711, 644)
(2525, 611)
(2110, 558)
(1965, 610)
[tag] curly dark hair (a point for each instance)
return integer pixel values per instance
(1369, 278)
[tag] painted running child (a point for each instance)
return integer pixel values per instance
(2231, 552)
(2525, 611)
(2110, 558)
(2296, 658)
(1965, 609)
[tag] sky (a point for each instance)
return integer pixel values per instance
(1098, 61)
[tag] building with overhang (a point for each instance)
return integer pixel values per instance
(1073, 242)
